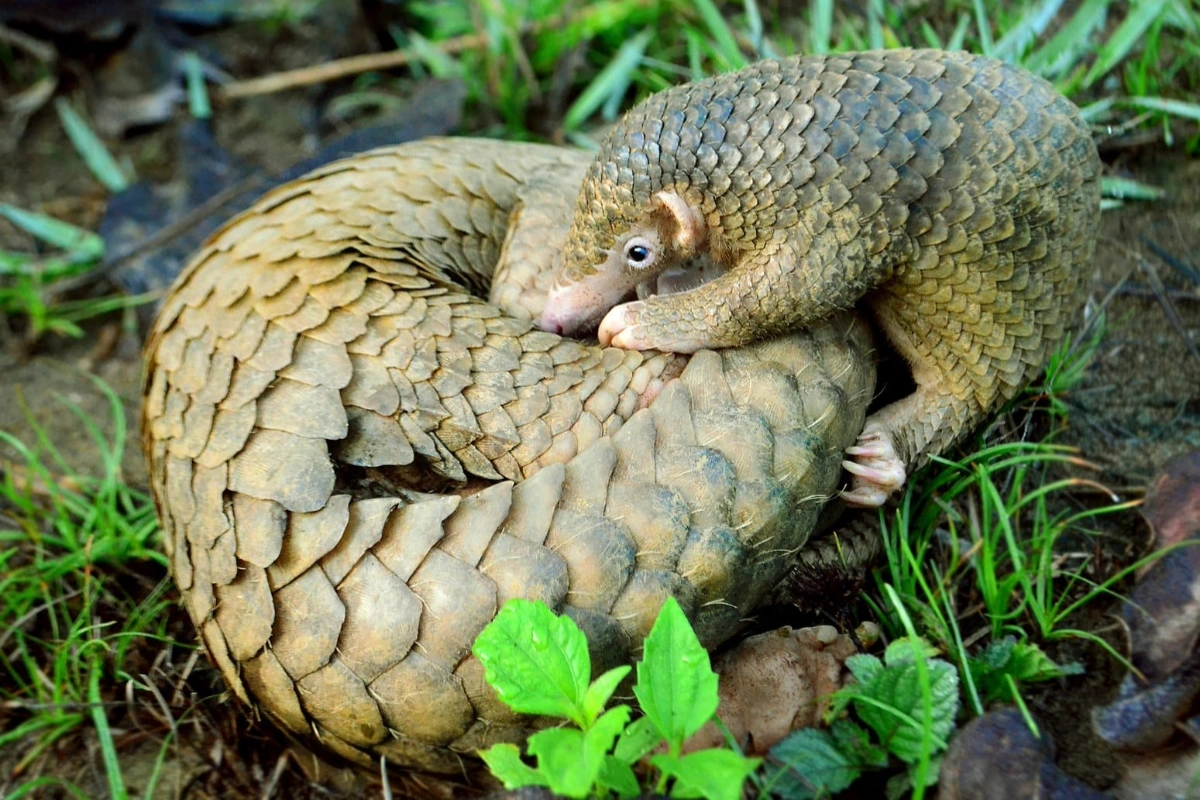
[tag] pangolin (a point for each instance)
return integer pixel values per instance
(357, 461)
(957, 196)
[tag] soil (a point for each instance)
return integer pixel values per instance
(1139, 403)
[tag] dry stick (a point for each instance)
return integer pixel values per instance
(355, 65)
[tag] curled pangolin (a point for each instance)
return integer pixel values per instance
(357, 462)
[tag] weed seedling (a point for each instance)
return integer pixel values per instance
(538, 663)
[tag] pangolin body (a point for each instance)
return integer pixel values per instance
(320, 359)
(959, 195)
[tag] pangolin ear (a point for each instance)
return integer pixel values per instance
(684, 225)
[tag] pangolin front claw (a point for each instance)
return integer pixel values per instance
(877, 469)
(619, 328)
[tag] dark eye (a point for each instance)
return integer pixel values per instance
(639, 252)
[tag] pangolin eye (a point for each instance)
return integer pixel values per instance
(639, 253)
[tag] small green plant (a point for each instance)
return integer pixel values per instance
(29, 285)
(999, 669)
(538, 663)
(904, 709)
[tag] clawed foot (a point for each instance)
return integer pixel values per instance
(877, 470)
(620, 328)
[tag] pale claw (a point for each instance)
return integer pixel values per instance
(619, 328)
(876, 468)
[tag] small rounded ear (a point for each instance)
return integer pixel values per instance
(685, 225)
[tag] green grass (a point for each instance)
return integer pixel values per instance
(75, 605)
(30, 285)
(1115, 58)
(1007, 541)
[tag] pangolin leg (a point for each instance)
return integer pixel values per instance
(898, 438)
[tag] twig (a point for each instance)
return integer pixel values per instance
(164, 234)
(353, 65)
(1177, 264)
(1174, 294)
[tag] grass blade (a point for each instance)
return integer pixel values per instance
(108, 749)
(613, 79)
(1178, 108)
(755, 24)
(1060, 53)
(820, 26)
(960, 32)
(985, 29)
(1129, 189)
(82, 244)
(1142, 15)
(726, 43)
(197, 92)
(875, 24)
(103, 166)
(1031, 26)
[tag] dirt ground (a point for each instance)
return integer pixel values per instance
(1139, 403)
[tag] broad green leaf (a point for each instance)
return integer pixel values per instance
(504, 761)
(1004, 660)
(864, 666)
(536, 661)
(814, 765)
(83, 244)
(676, 686)
(1030, 663)
(638, 739)
(855, 741)
(617, 776)
(906, 651)
(571, 759)
(564, 759)
(601, 690)
(712, 774)
(891, 704)
(101, 163)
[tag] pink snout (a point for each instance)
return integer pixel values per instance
(572, 311)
